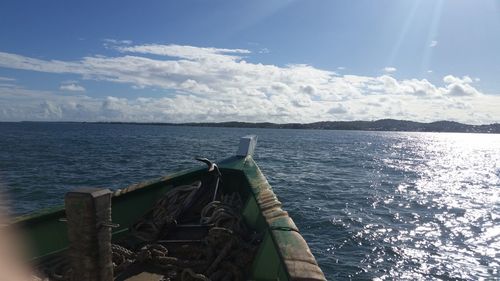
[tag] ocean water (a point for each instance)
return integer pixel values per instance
(371, 205)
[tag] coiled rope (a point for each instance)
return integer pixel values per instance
(226, 253)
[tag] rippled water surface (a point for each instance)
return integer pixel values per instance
(372, 205)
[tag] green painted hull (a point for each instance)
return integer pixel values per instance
(283, 254)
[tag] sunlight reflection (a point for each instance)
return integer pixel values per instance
(457, 187)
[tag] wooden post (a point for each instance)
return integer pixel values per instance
(88, 212)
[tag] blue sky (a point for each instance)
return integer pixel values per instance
(280, 61)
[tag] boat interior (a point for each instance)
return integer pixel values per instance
(49, 241)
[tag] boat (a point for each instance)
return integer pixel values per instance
(142, 232)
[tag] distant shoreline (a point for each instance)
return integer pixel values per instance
(390, 125)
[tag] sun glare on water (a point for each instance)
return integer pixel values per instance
(458, 186)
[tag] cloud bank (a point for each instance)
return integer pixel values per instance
(195, 84)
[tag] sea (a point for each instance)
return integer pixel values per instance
(371, 205)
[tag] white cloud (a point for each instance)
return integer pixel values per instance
(111, 43)
(450, 79)
(433, 43)
(460, 86)
(72, 87)
(7, 82)
(389, 69)
(338, 109)
(214, 84)
(264, 51)
(6, 79)
(186, 52)
(456, 89)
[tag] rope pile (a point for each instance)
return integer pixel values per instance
(165, 212)
(225, 253)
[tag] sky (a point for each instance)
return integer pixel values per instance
(254, 61)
